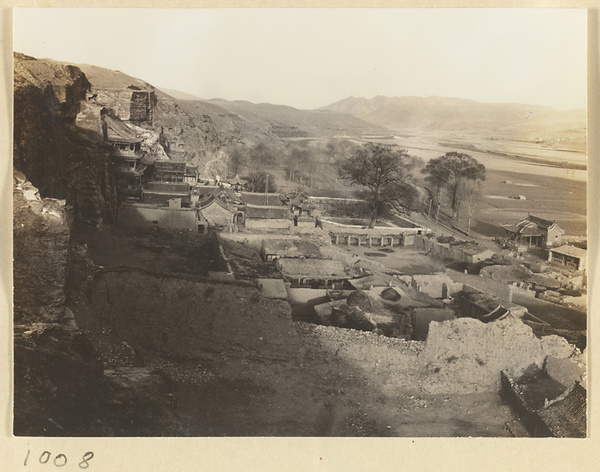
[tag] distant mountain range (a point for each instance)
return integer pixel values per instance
(200, 126)
(357, 117)
(456, 115)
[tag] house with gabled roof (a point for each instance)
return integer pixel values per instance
(219, 214)
(533, 231)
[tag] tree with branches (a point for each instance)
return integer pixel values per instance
(261, 181)
(470, 191)
(449, 172)
(238, 158)
(385, 174)
(261, 157)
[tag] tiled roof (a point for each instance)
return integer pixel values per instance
(267, 212)
(571, 251)
(237, 180)
(118, 131)
(217, 201)
(540, 221)
(567, 417)
(169, 166)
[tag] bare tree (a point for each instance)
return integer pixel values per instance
(450, 171)
(385, 173)
(470, 194)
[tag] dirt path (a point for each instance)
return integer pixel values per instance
(323, 394)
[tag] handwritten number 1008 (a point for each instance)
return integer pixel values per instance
(60, 460)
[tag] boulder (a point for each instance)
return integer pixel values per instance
(352, 317)
(360, 299)
(358, 319)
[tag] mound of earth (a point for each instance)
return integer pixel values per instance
(466, 355)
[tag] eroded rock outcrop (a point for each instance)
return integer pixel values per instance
(466, 355)
(62, 159)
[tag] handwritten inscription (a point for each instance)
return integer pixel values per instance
(59, 460)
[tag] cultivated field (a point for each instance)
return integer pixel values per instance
(552, 181)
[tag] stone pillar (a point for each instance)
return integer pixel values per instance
(370, 241)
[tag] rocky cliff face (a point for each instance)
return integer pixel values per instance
(58, 156)
(187, 133)
(59, 385)
(61, 175)
(41, 233)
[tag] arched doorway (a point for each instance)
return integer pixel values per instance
(239, 220)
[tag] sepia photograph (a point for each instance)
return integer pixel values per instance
(338, 223)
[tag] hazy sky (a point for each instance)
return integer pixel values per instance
(309, 58)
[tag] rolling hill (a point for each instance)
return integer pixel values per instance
(455, 115)
(198, 126)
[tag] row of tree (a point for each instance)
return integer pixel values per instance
(387, 176)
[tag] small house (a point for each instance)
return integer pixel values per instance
(473, 253)
(237, 183)
(301, 206)
(534, 232)
(569, 256)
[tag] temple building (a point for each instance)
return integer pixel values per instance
(125, 156)
(534, 232)
(169, 171)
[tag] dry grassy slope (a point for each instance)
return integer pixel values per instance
(198, 131)
(286, 121)
(465, 116)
